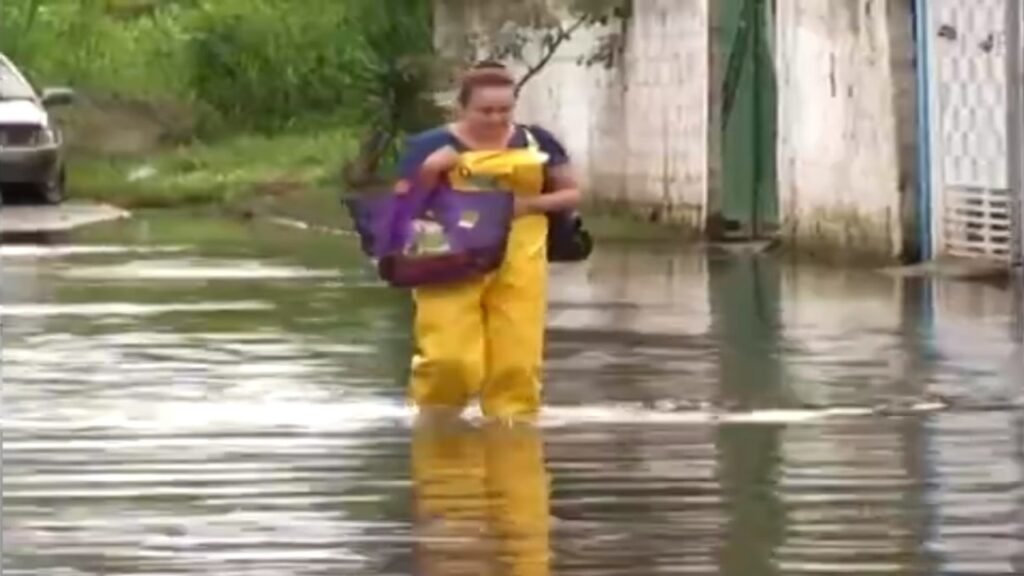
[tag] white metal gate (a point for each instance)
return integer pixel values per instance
(972, 107)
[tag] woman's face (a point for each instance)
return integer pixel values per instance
(489, 109)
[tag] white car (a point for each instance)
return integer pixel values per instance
(31, 143)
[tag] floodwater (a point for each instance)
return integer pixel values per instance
(189, 396)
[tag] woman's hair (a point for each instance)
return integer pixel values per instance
(485, 74)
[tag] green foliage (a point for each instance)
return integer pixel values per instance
(268, 65)
(94, 51)
(395, 73)
(242, 65)
(17, 17)
(222, 172)
(397, 68)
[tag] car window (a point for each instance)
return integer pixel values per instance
(12, 87)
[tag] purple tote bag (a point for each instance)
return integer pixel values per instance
(472, 230)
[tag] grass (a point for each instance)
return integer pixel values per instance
(219, 173)
(292, 176)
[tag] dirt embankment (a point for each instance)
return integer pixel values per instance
(100, 125)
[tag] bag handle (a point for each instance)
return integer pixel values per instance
(533, 144)
(531, 140)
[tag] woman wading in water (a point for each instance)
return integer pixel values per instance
(485, 338)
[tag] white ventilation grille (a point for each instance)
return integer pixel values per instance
(978, 223)
(973, 204)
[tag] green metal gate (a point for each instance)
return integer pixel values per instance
(749, 200)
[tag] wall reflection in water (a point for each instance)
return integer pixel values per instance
(744, 296)
(900, 492)
(280, 447)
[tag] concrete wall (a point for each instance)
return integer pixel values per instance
(845, 121)
(666, 96)
(638, 130)
(644, 132)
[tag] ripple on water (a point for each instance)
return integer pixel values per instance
(66, 250)
(196, 269)
(105, 309)
(685, 435)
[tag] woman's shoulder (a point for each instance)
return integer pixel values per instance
(418, 147)
(435, 137)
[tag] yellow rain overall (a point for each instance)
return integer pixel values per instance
(481, 500)
(486, 337)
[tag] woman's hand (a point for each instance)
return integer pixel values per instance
(431, 171)
(524, 206)
(440, 162)
(564, 195)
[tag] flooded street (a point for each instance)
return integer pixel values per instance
(189, 396)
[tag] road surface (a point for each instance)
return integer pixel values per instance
(33, 220)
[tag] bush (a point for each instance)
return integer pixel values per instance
(97, 52)
(272, 65)
(240, 65)
(395, 76)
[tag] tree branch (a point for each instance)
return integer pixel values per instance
(552, 48)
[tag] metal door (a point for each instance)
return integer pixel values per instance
(972, 105)
(748, 116)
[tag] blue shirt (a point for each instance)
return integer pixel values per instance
(420, 146)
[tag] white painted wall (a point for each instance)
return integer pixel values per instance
(666, 128)
(839, 142)
(642, 132)
(637, 132)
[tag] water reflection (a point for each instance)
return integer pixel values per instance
(237, 407)
(973, 460)
(1017, 296)
(481, 499)
(744, 295)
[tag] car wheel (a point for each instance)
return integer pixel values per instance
(52, 192)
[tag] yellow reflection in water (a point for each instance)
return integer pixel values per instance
(481, 497)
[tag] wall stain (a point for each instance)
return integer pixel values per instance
(832, 73)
